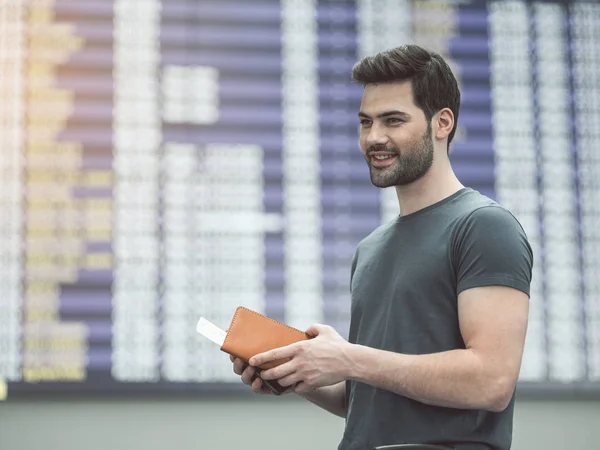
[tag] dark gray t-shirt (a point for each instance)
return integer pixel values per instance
(406, 277)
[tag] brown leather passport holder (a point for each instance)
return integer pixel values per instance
(251, 333)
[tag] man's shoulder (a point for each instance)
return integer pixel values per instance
(485, 212)
(472, 201)
(476, 209)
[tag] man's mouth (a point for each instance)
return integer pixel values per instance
(382, 159)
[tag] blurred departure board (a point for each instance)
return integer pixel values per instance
(166, 160)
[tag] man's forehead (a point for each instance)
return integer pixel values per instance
(393, 95)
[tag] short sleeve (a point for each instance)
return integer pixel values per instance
(491, 248)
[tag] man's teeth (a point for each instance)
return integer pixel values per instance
(381, 157)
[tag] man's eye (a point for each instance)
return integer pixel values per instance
(394, 121)
(365, 123)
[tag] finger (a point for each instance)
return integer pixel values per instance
(316, 329)
(289, 380)
(302, 388)
(280, 371)
(248, 375)
(264, 389)
(259, 387)
(239, 366)
(232, 358)
(272, 355)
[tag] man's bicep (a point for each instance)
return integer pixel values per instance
(493, 324)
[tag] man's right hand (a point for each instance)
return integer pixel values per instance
(249, 376)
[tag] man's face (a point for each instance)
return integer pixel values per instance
(395, 136)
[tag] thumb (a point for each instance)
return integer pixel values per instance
(316, 329)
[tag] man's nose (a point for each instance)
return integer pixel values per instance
(377, 136)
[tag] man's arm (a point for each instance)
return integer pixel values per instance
(330, 398)
(493, 322)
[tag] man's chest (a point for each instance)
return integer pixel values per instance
(403, 289)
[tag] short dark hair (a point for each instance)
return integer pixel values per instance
(433, 83)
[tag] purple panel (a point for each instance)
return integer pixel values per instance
(336, 14)
(275, 310)
(275, 298)
(221, 35)
(97, 9)
(91, 192)
(99, 359)
(82, 301)
(474, 70)
(341, 92)
(201, 136)
(359, 226)
(331, 250)
(104, 162)
(98, 246)
(93, 110)
(475, 121)
(249, 115)
(470, 20)
(472, 147)
(333, 170)
(87, 135)
(209, 11)
(94, 31)
(475, 96)
(241, 89)
(357, 195)
(337, 39)
(99, 85)
(97, 58)
(95, 276)
(99, 330)
(475, 172)
(247, 62)
(333, 144)
(273, 195)
(469, 46)
(336, 65)
(176, 34)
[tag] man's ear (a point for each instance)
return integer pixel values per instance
(443, 122)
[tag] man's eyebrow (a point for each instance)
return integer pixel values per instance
(382, 115)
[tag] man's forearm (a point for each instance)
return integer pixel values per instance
(330, 398)
(455, 379)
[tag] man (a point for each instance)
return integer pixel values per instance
(439, 295)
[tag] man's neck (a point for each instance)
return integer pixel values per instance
(439, 183)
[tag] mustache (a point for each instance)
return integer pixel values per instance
(383, 148)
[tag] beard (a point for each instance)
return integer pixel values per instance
(409, 166)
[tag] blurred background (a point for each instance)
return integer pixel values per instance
(163, 161)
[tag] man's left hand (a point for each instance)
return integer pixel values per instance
(321, 361)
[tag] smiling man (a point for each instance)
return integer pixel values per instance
(439, 295)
